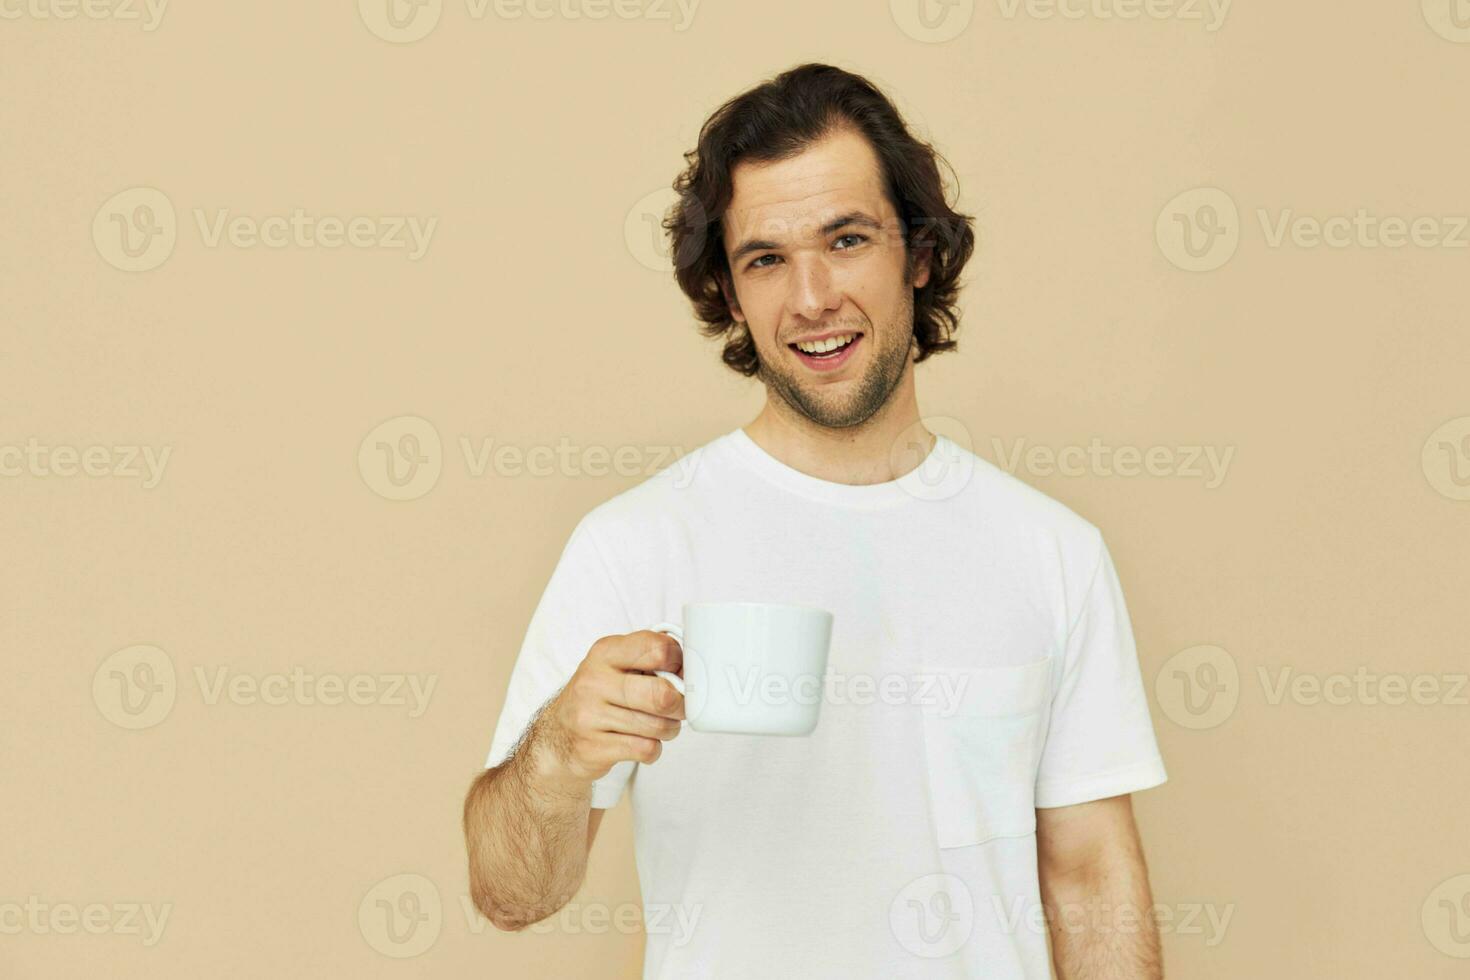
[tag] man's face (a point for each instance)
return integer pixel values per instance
(817, 254)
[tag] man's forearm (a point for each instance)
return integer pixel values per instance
(525, 824)
(1101, 921)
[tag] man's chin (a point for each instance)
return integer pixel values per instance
(834, 404)
(841, 414)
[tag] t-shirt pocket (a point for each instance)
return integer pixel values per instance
(982, 750)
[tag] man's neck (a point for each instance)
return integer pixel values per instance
(888, 445)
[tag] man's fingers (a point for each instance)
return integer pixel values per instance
(630, 722)
(643, 650)
(649, 694)
(638, 748)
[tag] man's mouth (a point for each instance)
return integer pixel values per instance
(827, 354)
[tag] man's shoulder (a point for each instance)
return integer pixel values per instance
(1001, 497)
(1036, 531)
(675, 481)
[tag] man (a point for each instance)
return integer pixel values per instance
(974, 762)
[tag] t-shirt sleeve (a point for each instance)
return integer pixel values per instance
(580, 605)
(1100, 740)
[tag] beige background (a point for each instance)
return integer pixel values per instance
(1332, 835)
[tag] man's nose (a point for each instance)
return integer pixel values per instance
(812, 289)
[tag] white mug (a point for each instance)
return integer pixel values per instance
(751, 668)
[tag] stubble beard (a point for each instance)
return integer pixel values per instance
(868, 394)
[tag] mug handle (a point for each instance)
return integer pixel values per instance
(677, 632)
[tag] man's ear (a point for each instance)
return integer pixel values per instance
(919, 262)
(730, 300)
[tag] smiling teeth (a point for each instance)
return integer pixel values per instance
(822, 346)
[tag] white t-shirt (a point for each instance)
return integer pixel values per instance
(982, 665)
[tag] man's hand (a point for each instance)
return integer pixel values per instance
(528, 823)
(614, 708)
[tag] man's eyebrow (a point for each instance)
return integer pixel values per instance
(860, 218)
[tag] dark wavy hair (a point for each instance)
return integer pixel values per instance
(776, 120)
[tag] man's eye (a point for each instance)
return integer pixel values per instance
(857, 239)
